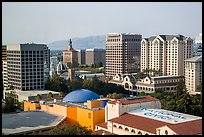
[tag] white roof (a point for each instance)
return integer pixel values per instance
(32, 92)
(164, 115)
(195, 59)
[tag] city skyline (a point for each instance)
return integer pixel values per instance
(39, 23)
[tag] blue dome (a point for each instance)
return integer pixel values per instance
(81, 95)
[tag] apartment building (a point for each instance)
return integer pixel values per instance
(70, 56)
(95, 57)
(166, 53)
(193, 74)
(25, 66)
(122, 53)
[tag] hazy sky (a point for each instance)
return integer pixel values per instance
(43, 22)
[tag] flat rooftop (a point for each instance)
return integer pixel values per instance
(27, 121)
(164, 115)
(32, 92)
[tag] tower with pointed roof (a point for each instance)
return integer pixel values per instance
(70, 56)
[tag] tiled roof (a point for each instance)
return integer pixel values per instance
(103, 125)
(150, 125)
(187, 128)
(102, 132)
(125, 101)
(138, 122)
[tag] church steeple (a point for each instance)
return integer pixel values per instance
(70, 45)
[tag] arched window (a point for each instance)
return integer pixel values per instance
(166, 132)
(115, 126)
(133, 131)
(126, 129)
(146, 134)
(126, 85)
(139, 133)
(120, 127)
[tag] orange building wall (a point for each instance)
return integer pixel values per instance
(98, 117)
(71, 115)
(84, 119)
(30, 106)
(93, 104)
(55, 109)
(90, 118)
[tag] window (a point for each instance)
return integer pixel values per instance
(139, 133)
(89, 115)
(126, 129)
(114, 126)
(120, 127)
(166, 132)
(133, 131)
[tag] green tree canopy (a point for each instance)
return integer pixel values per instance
(71, 130)
(38, 97)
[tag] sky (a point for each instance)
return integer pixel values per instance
(45, 22)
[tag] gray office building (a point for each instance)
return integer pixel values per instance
(26, 65)
(95, 56)
(81, 57)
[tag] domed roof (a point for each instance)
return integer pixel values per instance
(81, 95)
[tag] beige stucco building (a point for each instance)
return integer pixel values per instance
(166, 53)
(128, 81)
(122, 53)
(144, 116)
(163, 83)
(147, 84)
(70, 56)
(193, 74)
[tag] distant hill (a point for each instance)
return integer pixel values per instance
(79, 43)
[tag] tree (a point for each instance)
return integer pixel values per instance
(180, 88)
(38, 97)
(61, 94)
(71, 130)
(9, 105)
(49, 95)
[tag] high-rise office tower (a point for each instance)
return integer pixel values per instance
(70, 56)
(166, 53)
(46, 63)
(25, 66)
(193, 74)
(95, 57)
(122, 53)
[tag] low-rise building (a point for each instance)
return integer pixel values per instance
(152, 84)
(147, 84)
(118, 107)
(89, 76)
(30, 95)
(128, 81)
(144, 116)
(148, 121)
(80, 106)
